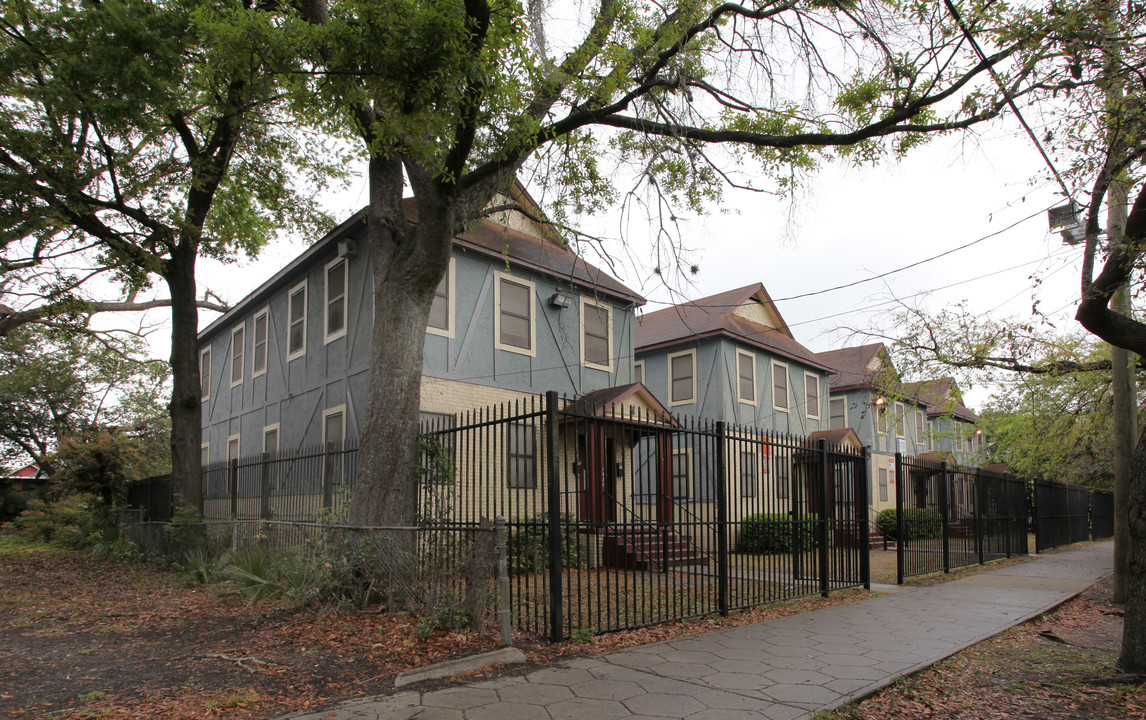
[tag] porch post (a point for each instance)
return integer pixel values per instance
(900, 522)
(553, 478)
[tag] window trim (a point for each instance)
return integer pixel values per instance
(831, 413)
(900, 420)
(754, 464)
(204, 446)
(668, 372)
(512, 457)
(328, 336)
(931, 440)
(808, 406)
(919, 430)
(278, 437)
(266, 315)
(333, 411)
(787, 387)
(205, 377)
(751, 359)
(587, 302)
(882, 484)
(291, 320)
(881, 425)
(238, 353)
(237, 438)
(501, 277)
(639, 364)
(448, 330)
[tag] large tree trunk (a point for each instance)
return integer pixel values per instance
(407, 262)
(186, 404)
(1133, 657)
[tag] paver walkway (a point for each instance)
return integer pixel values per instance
(781, 669)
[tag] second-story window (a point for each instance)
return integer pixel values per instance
(596, 335)
(441, 320)
(919, 427)
(205, 374)
(259, 347)
(515, 315)
(746, 377)
(335, 299)
(881, 418)
(296, 330)
(238, 336)
(682, 377)
(931, 441)
(899, 419)
(812, 395)
(779, 386)
(838, 417)
(639, 371)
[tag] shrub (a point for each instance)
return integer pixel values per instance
(528, 544)
(777, 532)
(70, 522)
(918, 524)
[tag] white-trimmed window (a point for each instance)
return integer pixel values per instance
(931, 440)
(900, 414)
(883, 485)
(334, 440)
(521, 456)
(335, 303)
(881, 418)
(204, 454)
(746, 377)
(259, 344)
(296, 323)
(682, 377)
(748, 474)
(238, 341)
(811, 395)
(270, 453)
(779, 386)
(205, 373)
(516, 329)
(639, 371)
(441, 320)
(838, 413)
(232, 449)
(271, 439)
(919, 427)
(682, 474)
(596, 334)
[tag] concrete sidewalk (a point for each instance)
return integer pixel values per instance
(781, 669)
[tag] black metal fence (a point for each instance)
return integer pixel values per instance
(948, 517)
(1065, 514)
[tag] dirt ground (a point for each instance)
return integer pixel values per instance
(87, 638)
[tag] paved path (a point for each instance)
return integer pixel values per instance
(781, 669)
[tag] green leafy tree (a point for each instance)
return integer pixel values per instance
(453, 100)
(137, 137)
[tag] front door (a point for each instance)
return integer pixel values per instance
(596, 455)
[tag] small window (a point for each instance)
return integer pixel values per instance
(746, 377)
(271, 439)
(838, 419)
(296, 331)
(334, 441)
(441, 321)
(237, 342)
(682, 377)
(521, 456)
(596, 334)
(204, 455)
(881, 417)
(259, 348)
(919, 427)
(639, 371)
(232, 463)
(812, 395)
(783, 490)
(883, 484)
(205, 374)
(335, 299)
(515, 328)
(748, 474)
(899, 419)
(270, 455)
(779, 386)
(681, 474)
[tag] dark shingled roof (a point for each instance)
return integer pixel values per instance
(713, 316)
(838, 438)
(610, 402)
(942, 397)
(851, 364)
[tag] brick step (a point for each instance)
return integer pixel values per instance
(875, 541)
(648, 550)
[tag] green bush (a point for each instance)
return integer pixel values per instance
(918, 524)
(777, 532)
(528, 544)
(69, 522)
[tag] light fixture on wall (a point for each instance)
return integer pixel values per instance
(560, 300)
(879, 401)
